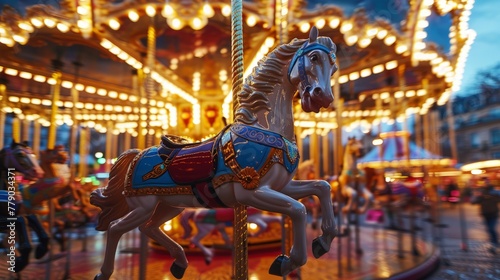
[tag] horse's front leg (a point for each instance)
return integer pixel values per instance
(267, 199)
(203, 230)
(151, 228)
(368, 200)
(298, 189)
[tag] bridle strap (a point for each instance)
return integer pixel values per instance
(299, 57)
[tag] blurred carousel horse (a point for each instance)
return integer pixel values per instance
(250, 162)
(56, 186)
(401, 194)
(14, 159)
(351, 177)
(208, 220)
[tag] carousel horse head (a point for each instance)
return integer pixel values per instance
(56, 155)
(308, 67)
(312, 67)
(354, 148)
(21, 158)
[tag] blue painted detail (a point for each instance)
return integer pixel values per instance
(144, 165)
(260, 136)
(252, 146)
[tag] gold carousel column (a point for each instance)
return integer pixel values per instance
(338, 130)
(74, 133)
(75, 125)
(55, 98)
(406, 138)
(109, 146)
(84, 140)
(426, 132)
(240, 257)
(435, 132)
(418, 131)
(36, 138)
(313, 148)
(55, 89)
(378, 104)
(25, 132)
(326, 152)
(114, 150)
(338, 105)
(126, 141)
(137, 82)
(3, 104)
(16, 130)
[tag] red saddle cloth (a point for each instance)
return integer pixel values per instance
(193, 164)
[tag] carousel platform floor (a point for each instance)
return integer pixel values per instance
(380, 259)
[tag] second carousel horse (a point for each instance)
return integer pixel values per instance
(352, 180)
(207, 220)
(14, 159)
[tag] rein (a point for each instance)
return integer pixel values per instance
(299, 57)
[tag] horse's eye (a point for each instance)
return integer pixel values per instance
(314, 57)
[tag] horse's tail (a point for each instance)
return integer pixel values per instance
(110, 198)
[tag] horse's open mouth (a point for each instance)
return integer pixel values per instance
(309, 104)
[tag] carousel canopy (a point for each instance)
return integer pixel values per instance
(394, 155)
(173, 58)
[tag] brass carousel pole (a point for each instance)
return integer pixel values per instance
(36, 138)
(25, 132)
(149, 88)
(3, 104)
(55, 89)
(240, 256)
(74, 127)
(338, 102)
(16, 130)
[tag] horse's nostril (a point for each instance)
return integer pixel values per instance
(317, 91)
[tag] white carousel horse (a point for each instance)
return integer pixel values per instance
(207, 220)
(251, 162)
(352, 176)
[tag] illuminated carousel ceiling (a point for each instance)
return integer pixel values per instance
(411, 52)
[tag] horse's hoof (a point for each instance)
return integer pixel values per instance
(416, 252)
(314, 225)
(275, 268)
(319, 248)
(21, 263)
(177, 271)
(41, 250)
(100, 276)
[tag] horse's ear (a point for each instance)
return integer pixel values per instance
(313, 34)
